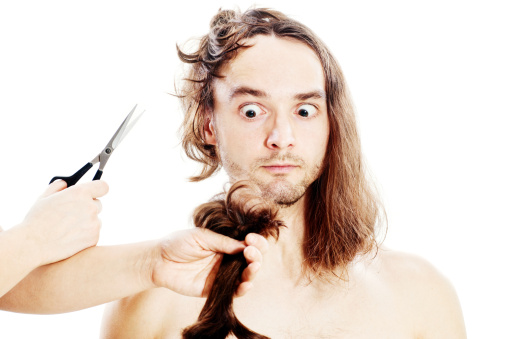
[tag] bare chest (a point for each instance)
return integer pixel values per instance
(299, 314)
(323, 316)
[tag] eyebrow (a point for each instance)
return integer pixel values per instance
(245, 90)
(318, 94)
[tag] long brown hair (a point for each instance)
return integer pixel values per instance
(341, 207)
(242, 211)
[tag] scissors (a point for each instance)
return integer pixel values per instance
(103, 156)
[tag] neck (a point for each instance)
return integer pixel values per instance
(293, 218)
(286, 253)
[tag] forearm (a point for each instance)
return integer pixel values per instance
(94, 276)
(17, 258)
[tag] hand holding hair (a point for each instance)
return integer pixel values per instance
(242, 211)
(187, 261)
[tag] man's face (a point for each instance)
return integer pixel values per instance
(270, 121)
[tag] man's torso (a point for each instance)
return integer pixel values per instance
(371, 303)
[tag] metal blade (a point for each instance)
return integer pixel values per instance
(127, 130)
(116, 138)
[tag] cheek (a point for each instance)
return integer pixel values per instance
(319, 149)
(238, 145)
(315, 140)
(324, 140)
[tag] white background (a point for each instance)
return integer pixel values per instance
(428, 82)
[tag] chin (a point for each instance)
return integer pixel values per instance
(283, 193)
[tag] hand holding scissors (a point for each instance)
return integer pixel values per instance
(103, 156)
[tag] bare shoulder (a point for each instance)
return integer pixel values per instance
(422, 291)
(134, 316)
(155, 313)
(402, 265)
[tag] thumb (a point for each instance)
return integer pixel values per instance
(55, 186)
(95, 188)
(219, 243)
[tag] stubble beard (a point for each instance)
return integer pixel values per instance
(281, 191)
(278, 189)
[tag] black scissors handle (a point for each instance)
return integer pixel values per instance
(104, 155)
(74, 178)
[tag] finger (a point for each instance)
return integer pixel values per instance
(96, 188)
(252, 254)
(219, 243)
(250, 272)
(98, 203)
(258, 241)
(55, 186)
(243, 288)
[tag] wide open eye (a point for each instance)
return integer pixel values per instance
(251, 111)
(306, 110)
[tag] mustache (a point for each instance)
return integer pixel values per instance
(276, 157)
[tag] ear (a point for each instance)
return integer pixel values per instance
(209, 131)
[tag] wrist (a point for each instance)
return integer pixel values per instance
(27, 246)
(151, 259)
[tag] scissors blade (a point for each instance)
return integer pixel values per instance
(125, 132)
(114, 142)
(120, 133)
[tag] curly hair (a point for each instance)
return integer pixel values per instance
(240, 213)
(342, 209)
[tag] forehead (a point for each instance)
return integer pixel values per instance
(279, 66)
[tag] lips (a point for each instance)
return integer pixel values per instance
(279, 168)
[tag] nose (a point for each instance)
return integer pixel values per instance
(281, 134)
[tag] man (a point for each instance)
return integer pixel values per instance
(266, 100)
(35, 278)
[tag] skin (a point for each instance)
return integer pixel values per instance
(61, 223)
(386, 294)
(288, 156)
(41, 272)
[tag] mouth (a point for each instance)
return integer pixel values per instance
(279, 168)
